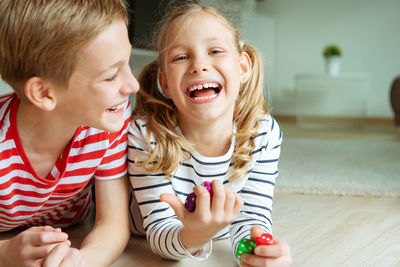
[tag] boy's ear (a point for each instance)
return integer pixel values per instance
(162, 80)
(245, 67)
(38, 91)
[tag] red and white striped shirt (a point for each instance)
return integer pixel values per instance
(62, 198)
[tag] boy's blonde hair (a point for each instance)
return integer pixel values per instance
(161, 115)
(42, 37)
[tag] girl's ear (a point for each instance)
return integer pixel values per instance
(38, 91)
(162, 81)
(245, 67)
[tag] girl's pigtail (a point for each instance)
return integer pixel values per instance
(149, 92)
(159, 113)
(249, 106)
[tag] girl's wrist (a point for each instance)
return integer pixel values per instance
(193, 241)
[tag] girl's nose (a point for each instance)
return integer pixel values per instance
(198, 66)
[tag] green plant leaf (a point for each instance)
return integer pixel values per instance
(331, 50)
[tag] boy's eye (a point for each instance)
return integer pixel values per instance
(112, 78)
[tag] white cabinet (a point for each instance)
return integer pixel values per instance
(4, 88)
(140, 58)
(324, 96)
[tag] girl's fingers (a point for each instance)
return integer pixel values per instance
(279, 249)
(230, 200)
(238, 204)
(202, 200)
(255, 232)
(175, 204)
(253, 260)
(219, 196)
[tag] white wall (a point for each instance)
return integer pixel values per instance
(366, 30)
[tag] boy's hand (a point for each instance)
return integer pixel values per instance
(277, 254)
(30, 247)
(209, 217)
(64, 255)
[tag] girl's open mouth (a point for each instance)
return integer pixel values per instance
(205, 91)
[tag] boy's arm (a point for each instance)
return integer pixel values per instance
(110, 232)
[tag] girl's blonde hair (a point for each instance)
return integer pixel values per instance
(161, 115)
(42, 38)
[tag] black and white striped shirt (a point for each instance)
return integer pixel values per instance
(160, 223)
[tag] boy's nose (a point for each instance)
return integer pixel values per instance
(131, 85)
(134, 85)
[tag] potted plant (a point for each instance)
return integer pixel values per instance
(332, 54)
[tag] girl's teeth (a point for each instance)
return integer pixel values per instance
(201, 86)
(205, 97)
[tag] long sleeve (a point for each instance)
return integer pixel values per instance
(258, 190)
(160, 223)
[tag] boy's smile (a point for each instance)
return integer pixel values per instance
(100, 85)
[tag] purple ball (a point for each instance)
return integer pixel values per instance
(190, 202)
(207, 186)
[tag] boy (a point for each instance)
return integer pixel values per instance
(64, 126)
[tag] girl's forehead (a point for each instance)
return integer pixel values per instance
(198, 19)
(198, 23)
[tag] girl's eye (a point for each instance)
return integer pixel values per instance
(112, 78)
(215, 51)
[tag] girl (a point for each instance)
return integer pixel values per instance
(208, 122)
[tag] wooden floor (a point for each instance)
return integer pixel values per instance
(339, 231)
(321, 230)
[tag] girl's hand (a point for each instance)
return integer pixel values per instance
(277, 254)
(209, 217)
(31, 247)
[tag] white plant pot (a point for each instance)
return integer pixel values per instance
(333, 65)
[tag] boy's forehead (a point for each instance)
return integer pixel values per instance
(106, 50)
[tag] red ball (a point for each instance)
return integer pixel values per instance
(265, 239)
